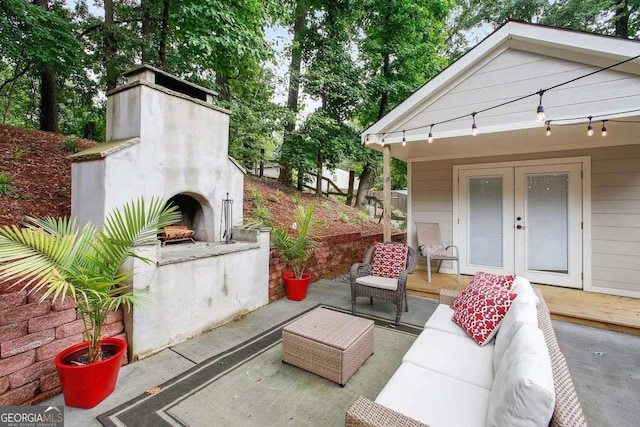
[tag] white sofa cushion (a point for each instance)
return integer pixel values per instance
(441, 320)
(453, 355)
(522, 287)
(523, 393)
(435, 399)
(378, 282)
(520, 312)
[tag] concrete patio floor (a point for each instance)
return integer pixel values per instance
(605, 365)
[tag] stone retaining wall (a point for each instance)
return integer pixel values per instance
(32, 333)
(334, 256)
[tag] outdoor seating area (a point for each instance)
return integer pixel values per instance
(521, 378)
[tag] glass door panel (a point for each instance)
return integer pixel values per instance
(485, 221)
(485, 207)
(548, 218)
(546, 210)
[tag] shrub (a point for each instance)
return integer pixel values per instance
(17, 153)
(70, 146)
(6, 187)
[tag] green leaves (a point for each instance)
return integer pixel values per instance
(295, 249)
(56, 256)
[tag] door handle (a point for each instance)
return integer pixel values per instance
(519, 227)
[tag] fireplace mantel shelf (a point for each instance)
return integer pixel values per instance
(184, 252)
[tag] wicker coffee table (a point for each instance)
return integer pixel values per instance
(328, 343)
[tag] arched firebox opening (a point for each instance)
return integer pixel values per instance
(194, 215)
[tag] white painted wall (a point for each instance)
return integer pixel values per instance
(183, 299)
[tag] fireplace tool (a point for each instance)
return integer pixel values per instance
(226, 219)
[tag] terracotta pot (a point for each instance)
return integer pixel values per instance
(84, 386)
(296, 289)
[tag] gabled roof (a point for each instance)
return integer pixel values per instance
(593, 50)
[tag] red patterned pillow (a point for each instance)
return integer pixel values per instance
(389, 259)
(482, 311)
(482, 278)
(502, 280)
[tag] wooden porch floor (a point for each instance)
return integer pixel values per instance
(614, 313)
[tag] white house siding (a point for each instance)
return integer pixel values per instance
(511, 73)
(615, 206)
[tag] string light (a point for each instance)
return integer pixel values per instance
(540, 110)
(590, 128)
(404, 140)
(604, 129)
(383, 138)
(474, 127)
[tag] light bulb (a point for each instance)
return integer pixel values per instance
(430, 139)
(604, 129)
(540, 113)
(474, 130)
(589, 128)
(548, 130)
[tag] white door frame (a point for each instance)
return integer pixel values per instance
(586, 201)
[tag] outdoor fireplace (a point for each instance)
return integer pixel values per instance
(192, 227)
(166, 139)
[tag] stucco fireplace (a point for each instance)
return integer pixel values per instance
(166, 138)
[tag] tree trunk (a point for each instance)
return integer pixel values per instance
(146, 31)
(48, 102)
(222, 83)
(110, 46)
(319, 175)
(364, 178)
(48, 92)
(162, 46)
(294, 84)
(622, 19)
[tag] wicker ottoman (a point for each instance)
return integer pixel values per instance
(328, 343)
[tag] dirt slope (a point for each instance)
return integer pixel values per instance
(41, 179)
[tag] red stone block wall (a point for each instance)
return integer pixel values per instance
(32, 333)
(334, 256)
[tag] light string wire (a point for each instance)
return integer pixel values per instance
(511, 101)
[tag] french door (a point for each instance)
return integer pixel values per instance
(525, 220)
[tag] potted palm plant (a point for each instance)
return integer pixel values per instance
(295, 249)
(85, 264)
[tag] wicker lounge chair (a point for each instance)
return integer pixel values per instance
(431, 247)
(363, 284)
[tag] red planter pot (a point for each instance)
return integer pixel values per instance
(84, 386)
(296, 289)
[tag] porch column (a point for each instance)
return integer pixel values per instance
(386, 192)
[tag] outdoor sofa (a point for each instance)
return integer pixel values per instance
(518, 378)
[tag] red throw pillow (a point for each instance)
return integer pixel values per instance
(389, 260)
(502, 280)
(482, 277)
(482, 311)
